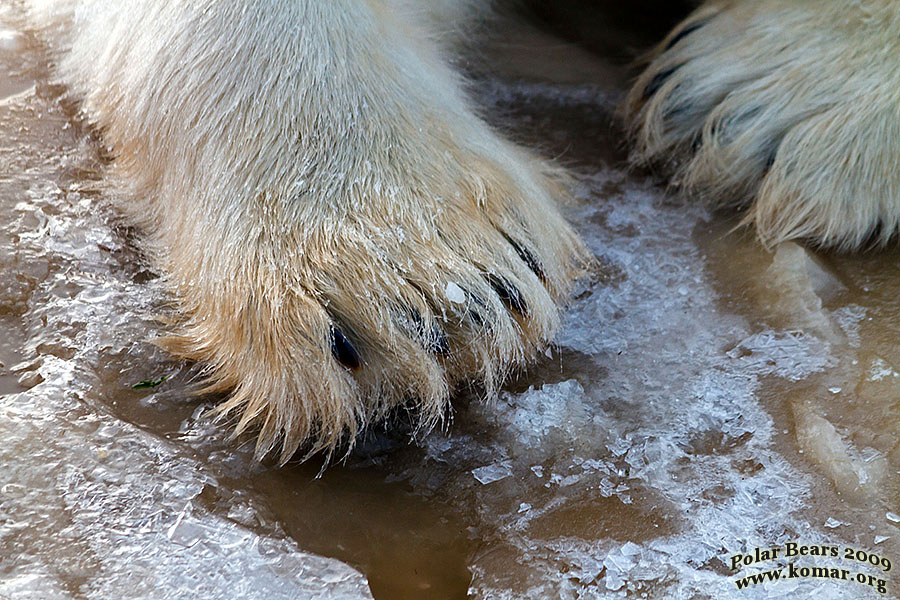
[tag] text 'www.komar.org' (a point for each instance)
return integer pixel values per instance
(848, 557)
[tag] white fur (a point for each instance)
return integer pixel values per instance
(303, 165)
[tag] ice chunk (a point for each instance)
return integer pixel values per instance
(849, 471)
(454, 293)
(631, 549)
(797, 283)
(879, 370)
(491, 473)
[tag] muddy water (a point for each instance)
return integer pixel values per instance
(706, 397)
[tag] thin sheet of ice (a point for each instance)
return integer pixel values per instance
(112, 512)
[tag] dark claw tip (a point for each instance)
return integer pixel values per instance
(697, 142)
(657, 82)
(528, 258)
(686, 31)
(439, 345)
(435, 340)
(770, 160)
(509, 294)
(343, 351)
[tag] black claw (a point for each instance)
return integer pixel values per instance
(509, 294)
(528, 258)
(474, 314)
(658, 80)
(697, 142)
(435, 339)
(684, 33)
(439, 344)
(771, 155)
(343, 351)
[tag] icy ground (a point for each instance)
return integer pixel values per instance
(706, 398)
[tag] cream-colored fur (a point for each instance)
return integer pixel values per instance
(789, 107)
(316, 189)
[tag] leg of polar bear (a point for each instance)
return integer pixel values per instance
(342, 234)
(790, 107)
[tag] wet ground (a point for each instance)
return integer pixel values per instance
(706, 397)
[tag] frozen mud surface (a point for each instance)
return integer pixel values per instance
(705, 398)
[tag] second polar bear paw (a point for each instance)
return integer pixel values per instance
(790, 109)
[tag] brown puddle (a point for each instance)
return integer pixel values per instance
(602, 518)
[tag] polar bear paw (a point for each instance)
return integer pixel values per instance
(320, 325)
(342, 234)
